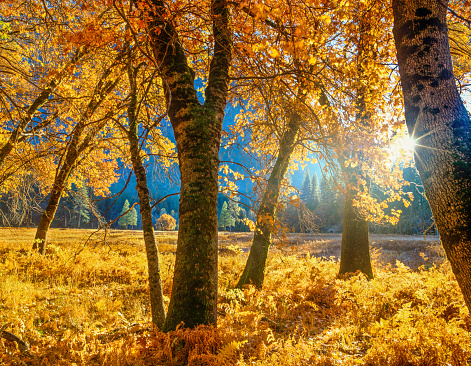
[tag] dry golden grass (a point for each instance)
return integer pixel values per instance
(88, 305)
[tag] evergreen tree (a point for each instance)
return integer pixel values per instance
(328, 193)
(132, 217)
(125, 220)
(314, 198)
(234, 211)
(306, 187)
(81, 207)
(241, 225)
(325, 193)
(329, 208)
(417, 217)
(225, 218)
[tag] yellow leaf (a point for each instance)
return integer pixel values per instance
(274, 52)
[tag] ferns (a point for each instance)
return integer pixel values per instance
(303, 316)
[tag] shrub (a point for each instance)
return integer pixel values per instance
(166, 223)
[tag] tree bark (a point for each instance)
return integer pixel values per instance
(437, 119)
(152, 251)
(60, 181)
(355, 252)
(72, 153)
(197, 131)
(254, 271)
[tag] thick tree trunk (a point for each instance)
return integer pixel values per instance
(355, 253)
(437, 119)
(254, 271)
(152, 251)
(194, 292)
(197, 131)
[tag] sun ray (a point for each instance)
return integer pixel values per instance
(432, 148)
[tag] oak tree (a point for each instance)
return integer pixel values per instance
(440, 124)
(197, 128)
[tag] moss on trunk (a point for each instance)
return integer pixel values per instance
(197, 130)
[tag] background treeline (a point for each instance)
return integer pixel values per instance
(319, 208)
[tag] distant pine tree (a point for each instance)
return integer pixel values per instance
(326, 191)
(81, 207)
(133, 217)
(330, 205)
(234, 211)
(124, 221)
(225, 218)
(315, 193)
(306, 187)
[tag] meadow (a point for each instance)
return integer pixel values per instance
(86, 303)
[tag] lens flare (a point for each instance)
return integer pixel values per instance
(408, 143)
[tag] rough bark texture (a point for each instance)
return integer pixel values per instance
(152, 251)
(438, 120)
(355, 253)
(254, 270)
(75, 148)
(197, 131)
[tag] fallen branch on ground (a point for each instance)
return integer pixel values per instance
(22, 345)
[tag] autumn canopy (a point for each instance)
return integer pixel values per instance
(92, 90)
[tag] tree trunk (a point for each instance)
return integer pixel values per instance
(79, 220)
(437, 119)
(152, 251)
(197, 131)
(255, 266)
(60, 181)
(73, 152)
(355, 253)
(194, 292)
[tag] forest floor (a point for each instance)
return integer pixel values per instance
(86, 303)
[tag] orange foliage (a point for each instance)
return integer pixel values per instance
(89, 306)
